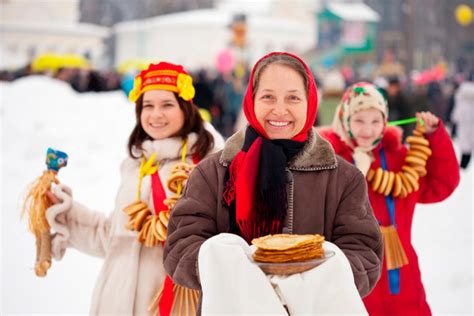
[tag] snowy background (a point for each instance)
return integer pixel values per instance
(38, 112)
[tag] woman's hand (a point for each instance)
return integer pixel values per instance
(431, 121)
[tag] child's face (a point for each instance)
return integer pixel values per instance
(280, 102)
(161, 115)
(367, 126)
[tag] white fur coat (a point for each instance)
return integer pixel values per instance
(131, 274)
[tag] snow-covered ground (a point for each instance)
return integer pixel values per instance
(38, 112)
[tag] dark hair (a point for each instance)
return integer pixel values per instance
(394, 81)
(192, 123)
(280, 59)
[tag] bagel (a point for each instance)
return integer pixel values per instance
(370, 175)
(161, 230)
(175, 180)
(391, 179)
(415, 160)
(140, 219)
(129, 225)
(424, 149)
(410, 170)
(171, 202)
(420, 128)
(403, 193)
(406, 183)
(417, 153)
(421, 170)
(150, 239)
(377, 179)
(413, 182)
(134, 208)
(417, 133)
(144, 230)
(182, 166)
(417, 140)
(397, 185)
(153, 227)
(163, 217)
(383, 183)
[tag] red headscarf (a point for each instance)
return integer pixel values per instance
(249, 107)
(245, 171)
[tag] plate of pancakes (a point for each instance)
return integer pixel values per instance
(286, 254)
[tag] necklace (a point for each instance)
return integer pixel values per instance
(405, 181)
(153, 228)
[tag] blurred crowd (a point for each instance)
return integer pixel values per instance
(221, 94)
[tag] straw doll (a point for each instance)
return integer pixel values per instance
(36, 204)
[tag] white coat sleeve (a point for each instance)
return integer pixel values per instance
(74, 225)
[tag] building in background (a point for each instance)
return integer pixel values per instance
(417, 33)
(346, 35)
(110, 12)
(196, 38)
(422, 33)
(29, 29)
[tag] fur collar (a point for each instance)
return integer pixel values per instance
(317, 154)
(167, 148)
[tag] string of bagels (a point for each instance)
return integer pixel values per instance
(153, 228)
(405, 181)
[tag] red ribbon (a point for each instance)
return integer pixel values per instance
(167, 297)
(159, 195)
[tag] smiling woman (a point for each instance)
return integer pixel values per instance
(278, 175)
(169, 137)
(161, 115)
(164, 109)
(281, 105)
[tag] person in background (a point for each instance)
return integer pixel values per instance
(360, 135)
(463, 117)
(204, 98)
(169, 134)
(398, 104)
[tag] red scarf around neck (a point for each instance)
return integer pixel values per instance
(243, 170)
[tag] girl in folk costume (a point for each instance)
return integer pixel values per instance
(278, 175)
(169, 137)
(398, 177)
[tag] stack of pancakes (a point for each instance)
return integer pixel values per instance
(281, 248)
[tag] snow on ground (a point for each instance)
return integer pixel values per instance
(38, 112)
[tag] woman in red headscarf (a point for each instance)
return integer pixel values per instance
(278, 175)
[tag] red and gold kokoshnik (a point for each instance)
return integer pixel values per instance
(163, 76)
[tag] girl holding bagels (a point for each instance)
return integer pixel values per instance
(168, 139)
(399, 176)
